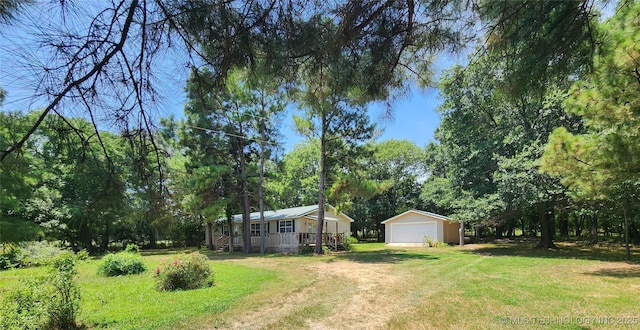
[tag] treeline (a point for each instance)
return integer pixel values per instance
(538, 135)
(558, 159)
(103, 192)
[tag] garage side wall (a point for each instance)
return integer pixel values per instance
(451, 232)
(387, 233)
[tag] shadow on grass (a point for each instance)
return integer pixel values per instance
(565, 250)
(157, 252)
(385, 256)
(373, 256)
(617, 272)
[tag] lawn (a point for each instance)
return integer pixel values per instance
(488, 286)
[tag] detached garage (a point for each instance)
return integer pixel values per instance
(413, 226)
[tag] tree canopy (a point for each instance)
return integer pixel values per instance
(538, 131)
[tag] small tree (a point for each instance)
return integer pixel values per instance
(50, 302)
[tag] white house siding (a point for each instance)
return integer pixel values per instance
(344, 224)
(305, 221)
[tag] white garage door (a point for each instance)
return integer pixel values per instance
(413, 233)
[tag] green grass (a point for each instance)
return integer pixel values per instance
(132, 302)
(495, 284)
(488, 286)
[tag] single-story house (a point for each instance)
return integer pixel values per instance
(286, 229)
(415, 227)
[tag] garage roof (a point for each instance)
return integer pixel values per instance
(429, 214)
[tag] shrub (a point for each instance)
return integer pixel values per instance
(11, 258)
(428, 242)
(190, 272)
(28, 254)
(26, 307)
(305, 249)
(349, 241)
(123, 263)
(132, 248)
(82, 255)
(39, 253)
(64, 302)
(49, 302)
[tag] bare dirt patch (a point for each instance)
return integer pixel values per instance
(372, 286)
(333, 294)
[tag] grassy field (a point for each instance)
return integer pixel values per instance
(488, 286)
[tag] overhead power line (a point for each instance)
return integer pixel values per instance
(231, 134)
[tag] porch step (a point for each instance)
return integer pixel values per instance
(340, 247)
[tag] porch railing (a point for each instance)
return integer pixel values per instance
(285, 240)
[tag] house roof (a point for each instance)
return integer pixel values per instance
(425, 213)
(285, 214)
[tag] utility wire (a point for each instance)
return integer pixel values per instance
(231, 134)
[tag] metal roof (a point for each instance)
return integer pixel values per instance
(429, 214)
(284, 214)
(290, 213)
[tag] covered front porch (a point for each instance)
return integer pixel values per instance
(284, 230)
(283, 242)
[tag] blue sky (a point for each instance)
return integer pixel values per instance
(414, 116)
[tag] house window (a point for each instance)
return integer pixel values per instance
(255, 229)
(285, 226)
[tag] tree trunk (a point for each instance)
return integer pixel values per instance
(626, 231)
(230, 224)
(152, 233)
(105, 237)
(84, 236)
(511, 226)
(634, 233)
(593, 229)
(199, 232)
(246, 220)
(564, 222)
(579, 225)
(210, 236)
(261, 181)
(499, 230)
(546, 231)
(323, 156)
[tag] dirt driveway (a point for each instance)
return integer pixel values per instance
(324, 294)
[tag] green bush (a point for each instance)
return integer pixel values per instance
(429, 242)
(39, 253)
(82, 255)
(28, 254)
(48, 302)
(132, 248)
(26, 307)
(123, 263)
(349, 241)
(190, 272)
(64, 302)
(306, 249)
(11, 258)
